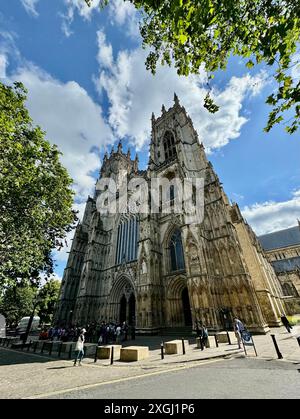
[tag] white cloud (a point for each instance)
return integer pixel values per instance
(71, 119)
(272, 216)
(81, 8)
(124, 14)
(134, 94)
(121, 13)
(3, 65)
(105, 51)
(30, 7)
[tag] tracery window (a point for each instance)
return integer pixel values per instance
(176, 252)
(127, 241)
(169, 145)
(288, 289)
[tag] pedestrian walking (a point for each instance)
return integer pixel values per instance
(238, 327)
(79, 347)
(286, 323)
(203, 336)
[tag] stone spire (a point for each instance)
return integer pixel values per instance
(136, 163)
(120, 147)
(176, 100)
(163, 109)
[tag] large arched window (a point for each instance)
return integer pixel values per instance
(169, 146)
(176, 252)
(127, 241)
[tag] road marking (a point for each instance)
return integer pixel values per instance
(120, 380)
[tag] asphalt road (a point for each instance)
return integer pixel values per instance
(230, 379)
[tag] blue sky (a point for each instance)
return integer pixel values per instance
(88, 88)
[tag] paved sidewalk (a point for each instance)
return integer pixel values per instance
(24, 375)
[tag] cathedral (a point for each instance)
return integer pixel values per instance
(157, 270)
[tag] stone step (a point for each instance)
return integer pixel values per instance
(177, 331)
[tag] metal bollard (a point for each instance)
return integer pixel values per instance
(216, 339)
(183, 346)
(96, 354)
(42, 350)
(51, 347)
(28, 347)
(112, 356)
(228, 338)
(162, 351)
(276, 347)
(35, 346)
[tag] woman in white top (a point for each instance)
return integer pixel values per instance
(79, 348)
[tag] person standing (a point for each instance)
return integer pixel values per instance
(238, 329)
(203, 336)
(79, 347)
(286, 323)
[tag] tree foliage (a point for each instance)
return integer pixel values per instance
(192, 33)
(17, 302)
(47, 299)
(35, 193)
(21, 299)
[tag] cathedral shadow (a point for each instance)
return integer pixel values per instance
(14, 357)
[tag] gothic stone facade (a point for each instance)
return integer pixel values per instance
(158, 271)
(282, 249)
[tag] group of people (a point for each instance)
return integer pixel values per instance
(114, 332)
(103, 333)
(57, 333)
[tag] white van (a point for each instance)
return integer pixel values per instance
(23, 323)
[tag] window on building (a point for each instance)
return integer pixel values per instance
(172, 195)
(176, 252)
(169, 146)
(127, 241)
(288, 289)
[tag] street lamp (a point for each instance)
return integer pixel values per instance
(25, 335)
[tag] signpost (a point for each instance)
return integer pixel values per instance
(247, 340)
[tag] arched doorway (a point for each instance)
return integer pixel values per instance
(122, 301)
(131, 304)
(123, 307)
(186, 307)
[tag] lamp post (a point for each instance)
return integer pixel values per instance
(25, 335)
